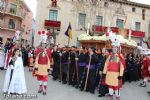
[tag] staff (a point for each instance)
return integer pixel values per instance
(60, 71)
(87, 75)
(77, 69)
(68, 74)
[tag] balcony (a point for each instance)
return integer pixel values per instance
(53, 24)
(6, 27)
(1, 23)
(12, 12)
(99, 29)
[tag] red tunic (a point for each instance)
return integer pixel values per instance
(114, 67)
(146, 63)
(113, 70)
(43, 60)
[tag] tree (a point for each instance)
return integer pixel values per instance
(147, 42)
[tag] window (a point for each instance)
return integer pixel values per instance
(13, 8)
(82, 19)
(1, 4)
(106, 4)
(143, 14)
(137, 26)
(1, 39)
(133, 9)
(1, 17)
(12, 24)
(120, 23)
(99, 20)
(53, 15)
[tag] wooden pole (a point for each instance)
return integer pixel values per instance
(87, 75)
(68, 73)
(68, 41)
(60, 71)
(77, 69)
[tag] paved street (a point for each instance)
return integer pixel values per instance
(57, 91)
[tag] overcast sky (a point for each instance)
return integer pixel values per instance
(32, 4)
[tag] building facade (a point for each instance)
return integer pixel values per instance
(118, 15)
(14, 15)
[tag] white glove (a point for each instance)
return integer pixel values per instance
(11, 66)
(60, 54)
(76, 58)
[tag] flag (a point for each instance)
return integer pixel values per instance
(130, 32)
(69, 32)
(141, 41)
(125, 20)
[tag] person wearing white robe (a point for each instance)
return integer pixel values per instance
(2, 56)
(15, 79)
(2, 59)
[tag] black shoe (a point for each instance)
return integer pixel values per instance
(54, 79)
(101, 95)
(64, 82)
(40, 91)
(143, 85)
(148, 92)
(81, 89)
(44, 93)
(59, 80)
(76, 86)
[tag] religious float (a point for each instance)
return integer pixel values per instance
(128, 46)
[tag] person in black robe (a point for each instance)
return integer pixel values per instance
(93, 60)
(56, 58)
(137, 68)
(103, 89)
(81, 67)
(130, 67)
(72, 69)
(64, 61)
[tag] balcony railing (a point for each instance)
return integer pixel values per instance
(50, 23)
(103, 29)
(12, 12)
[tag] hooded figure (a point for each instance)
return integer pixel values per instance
(15, 79)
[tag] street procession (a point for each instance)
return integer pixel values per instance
(93, 50)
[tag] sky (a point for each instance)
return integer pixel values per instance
(33, 3)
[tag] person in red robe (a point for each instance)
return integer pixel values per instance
(145, 71)
(149, 74)
(43, 61)
(31, 59)
(114, 69)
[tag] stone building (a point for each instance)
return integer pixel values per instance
(118, 15)
(14, 15)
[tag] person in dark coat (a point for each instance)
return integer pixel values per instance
(130, 67)
(92, 61)
(103, 88)
(137, 68)
(64, 61)
(72, 69)
(56, 58)
(82, 55)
